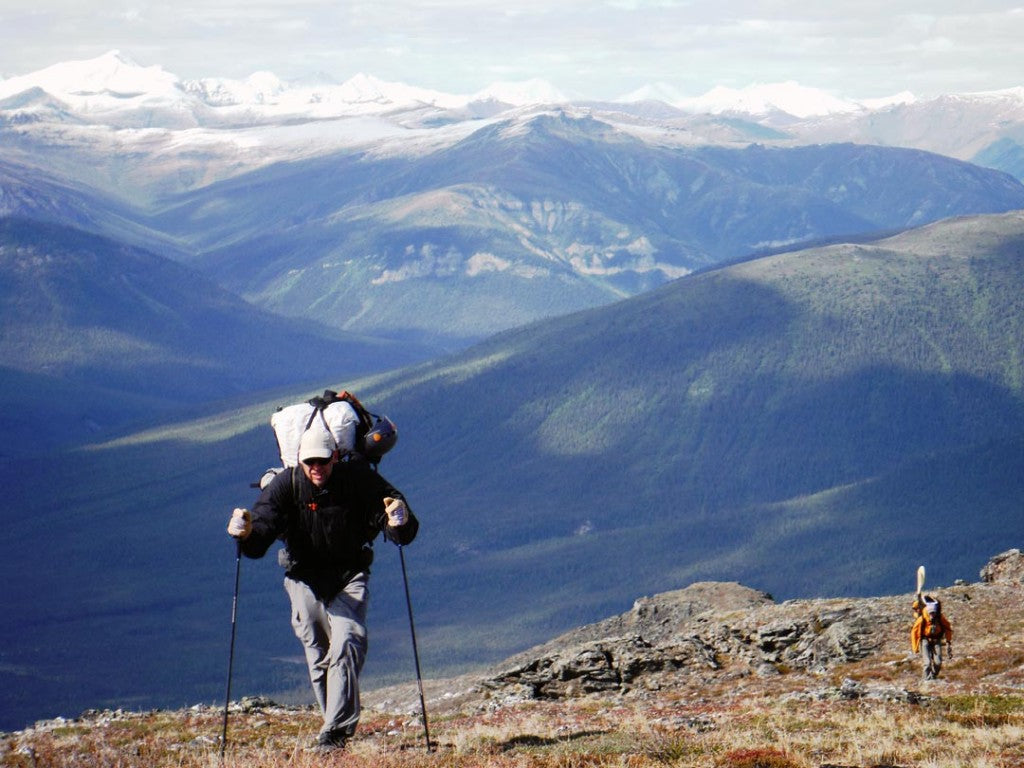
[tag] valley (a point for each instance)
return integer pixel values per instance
(628, 348)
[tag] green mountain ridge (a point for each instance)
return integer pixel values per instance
(804, 422)
(630, 443)
(101, 336)
(531, 218)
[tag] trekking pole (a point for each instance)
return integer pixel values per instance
(231, 653)
(415, 650)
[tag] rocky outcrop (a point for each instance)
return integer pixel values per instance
(715, 636)
(1005, 568)
(708, 628)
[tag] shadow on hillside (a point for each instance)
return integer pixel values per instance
(560, 472)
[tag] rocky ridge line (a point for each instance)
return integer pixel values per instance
(714, 633)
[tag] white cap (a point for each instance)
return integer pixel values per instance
(316, 444)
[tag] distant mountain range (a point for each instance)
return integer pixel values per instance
(433, 219)
(261, 120)
(813, 422)
(528, 219)
(628, 346)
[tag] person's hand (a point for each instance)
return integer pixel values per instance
(949, 651)
(240, 524)
(398, 513)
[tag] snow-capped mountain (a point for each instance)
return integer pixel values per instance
(662, 92)
(758, 100)
(219, 127)
(173, 135)
(112, 75)
(519, 94)
(115, 92)
(113, 83)
(345, 191)
(360, 93)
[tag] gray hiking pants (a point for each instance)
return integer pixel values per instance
(931, 657)
(333, 636)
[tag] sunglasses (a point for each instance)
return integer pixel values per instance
(316, 462)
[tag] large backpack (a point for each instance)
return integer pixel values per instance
(358, 433)
(932, 613)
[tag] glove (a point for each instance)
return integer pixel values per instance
(240, 524)
(949, 651)
(398, 513)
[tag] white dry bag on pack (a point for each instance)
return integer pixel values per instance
(357, 432)
(339, 418)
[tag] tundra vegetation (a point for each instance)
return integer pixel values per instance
(781, 687)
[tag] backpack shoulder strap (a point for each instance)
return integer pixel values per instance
(319, 405)
(295, 488)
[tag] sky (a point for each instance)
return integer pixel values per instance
(600, 49)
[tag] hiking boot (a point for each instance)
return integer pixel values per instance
(330, 742)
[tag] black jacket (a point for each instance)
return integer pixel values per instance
(327, 532)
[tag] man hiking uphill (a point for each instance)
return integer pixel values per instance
(928, 632)
(327, 512)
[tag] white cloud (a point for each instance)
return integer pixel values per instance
(596, 49)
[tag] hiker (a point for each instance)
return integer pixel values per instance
(327, 512)
(928, 632)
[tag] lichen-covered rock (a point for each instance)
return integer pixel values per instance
(704, 629)
(726, 639)
(1005, 568)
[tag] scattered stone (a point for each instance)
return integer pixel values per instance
(256, 704)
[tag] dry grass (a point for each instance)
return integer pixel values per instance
(875, 712)
(742, 731)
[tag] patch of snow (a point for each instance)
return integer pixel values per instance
(656, 92)
(110, 81)
(789, 97)
(898, 99)
(1006, 94)
(521, 93)
(485, 262)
